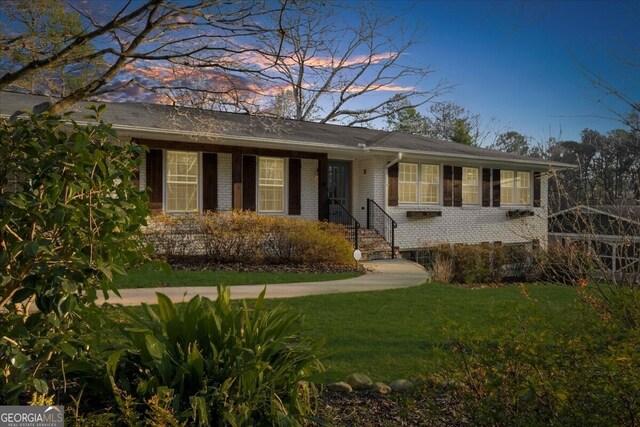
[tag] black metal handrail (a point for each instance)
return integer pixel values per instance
(339, 214)
(382, 223)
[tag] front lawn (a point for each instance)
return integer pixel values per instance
(158, 279)
(401, 333)
(405, 332)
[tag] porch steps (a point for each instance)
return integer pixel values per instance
(373, 246)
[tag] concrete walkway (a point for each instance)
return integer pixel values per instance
(387, 274)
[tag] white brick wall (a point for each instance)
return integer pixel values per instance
(309, 196)
(225, 186)
(143, 171)
(464, 224)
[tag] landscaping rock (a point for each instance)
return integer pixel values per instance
(382, 388)
(401, 386)
(359, 382)
(340, 386)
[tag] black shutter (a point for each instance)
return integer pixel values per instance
(236, 180)
(457, 186)
(249, 183)
(496, 188)
(209, 181)
(393, 185)
(447, 185)
(154, 178)
(295, 186)
(486, 187)
(536, 189)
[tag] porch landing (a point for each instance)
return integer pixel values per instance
(381, 275)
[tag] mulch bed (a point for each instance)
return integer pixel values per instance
(203, 263)
(370, 408)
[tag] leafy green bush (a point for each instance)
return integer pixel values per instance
(218, 362)
(69, 220)
(243, 236)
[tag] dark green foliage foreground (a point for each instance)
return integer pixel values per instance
(157, 279)
(70, 216)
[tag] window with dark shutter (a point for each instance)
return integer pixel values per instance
(457, 186)
(393, 185)
(249, 183)
(209, 181)
(486, 187)
(154, 178)
(537, 177)
(496, 188)
(295, 186)
(447, 186)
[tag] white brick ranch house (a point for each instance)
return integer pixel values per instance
(422, 190)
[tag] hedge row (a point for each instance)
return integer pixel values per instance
(246, 237)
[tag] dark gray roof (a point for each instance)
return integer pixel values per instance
(158, 118)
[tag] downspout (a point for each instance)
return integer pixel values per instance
(386, 178)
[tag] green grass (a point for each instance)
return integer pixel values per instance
(406, 332)
(153, 279)
(402, 333)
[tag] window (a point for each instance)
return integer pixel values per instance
(408, 183)
(271, 185)
(507, 187)
(523, 185)
(182, 181)
(430, 181)
(470, 186)
(515, 188)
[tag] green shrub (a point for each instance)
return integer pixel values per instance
(565, 264)
(69, 220)
(218, 362)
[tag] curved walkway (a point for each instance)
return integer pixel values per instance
(387, 274)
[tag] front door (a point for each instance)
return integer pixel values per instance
(339, 189)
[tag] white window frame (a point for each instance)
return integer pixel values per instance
(408, 183)
(280, 186)
(438, 183)
(515, 188)
(196, 180)
(477, 186)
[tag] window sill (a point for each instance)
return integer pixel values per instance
(471, 207)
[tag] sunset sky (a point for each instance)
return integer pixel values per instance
(515, 63)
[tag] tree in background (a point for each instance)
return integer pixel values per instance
(174, 47)
(404, 117)
(47, 26)
(246, 56)
(512, 142)
(331, 67)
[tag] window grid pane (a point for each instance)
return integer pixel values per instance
(523, 184)
(408, 183)
(430, 183)
(182, 181)
(507, 194)
(469, 186)
(271, 185)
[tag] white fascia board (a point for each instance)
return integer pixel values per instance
(533, 164)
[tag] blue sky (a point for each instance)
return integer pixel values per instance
(520, 61)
